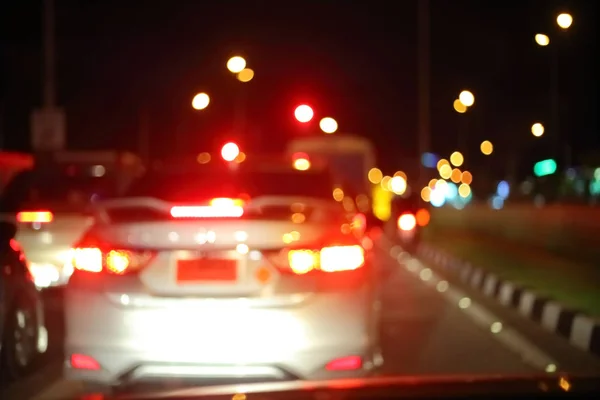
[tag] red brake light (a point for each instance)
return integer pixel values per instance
(344, 364)
(328, 259)
(115, 261)
(81, 361)
(304, 113)
(423, 217)
(407, 222)
(230, 151)
(35, 216)
(219, 207)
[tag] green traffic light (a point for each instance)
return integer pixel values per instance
(544, 167)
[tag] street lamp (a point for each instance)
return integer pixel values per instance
(245, 75)
(236, 64)
(537, 129)
(542, 40)
(459, 107)
(564, 20)
(487, 147)
(467, 98)
(328, 125)
(200, 101)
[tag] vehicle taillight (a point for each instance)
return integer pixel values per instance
(422, 217)
(328, 259)
(218, 208)
(359, 222)
(115, 261)
(407, 222)
(35, 216)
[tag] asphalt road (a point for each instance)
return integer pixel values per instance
(431, 326)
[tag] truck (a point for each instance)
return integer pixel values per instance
(349, 157)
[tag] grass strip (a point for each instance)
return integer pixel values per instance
(574, 284)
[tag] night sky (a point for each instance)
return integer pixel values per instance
(353, 60)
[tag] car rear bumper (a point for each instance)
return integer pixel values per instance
(219, 340)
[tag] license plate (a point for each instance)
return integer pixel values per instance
(206, 270)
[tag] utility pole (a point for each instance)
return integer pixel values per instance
(48, 123)
(424, 126)
(49, 56)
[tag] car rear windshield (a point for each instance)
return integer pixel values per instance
(55, 191)
(192, 187)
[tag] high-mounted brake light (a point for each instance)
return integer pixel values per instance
(218, 208)
(35, 216)
(226, 202)
(116, 261)
(328, 259)
(407, 222)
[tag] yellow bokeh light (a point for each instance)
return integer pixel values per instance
(442, 162)
(446, 171)
(467, 98)
(441, 184)
(245, 75)
(398, 185)
(564, 20)
(328, 125)
(457, 159)
(203, 158)
(464, 190)
(236, 64)
(338, 194)
(537, 129)
(301, 164)
(426, 193)
(456, 175)
(240, 157)
(466, 178)
(542, 40)
(385, 182)
(200, 101)
(487, 147)
(375, 175)
(459, 107)
(401, 174)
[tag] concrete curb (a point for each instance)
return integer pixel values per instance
(581, 330)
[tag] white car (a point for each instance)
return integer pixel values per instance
(50, 204)
(219, 277)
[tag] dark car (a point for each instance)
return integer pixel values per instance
(23, 335)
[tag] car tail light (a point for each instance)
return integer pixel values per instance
(344, 364)
(115, 261)
(327, 259)
(217, 208)
(81, 361)
(423, 217)
(407, 222)
(35, 216)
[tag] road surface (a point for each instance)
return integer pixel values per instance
(431, 326)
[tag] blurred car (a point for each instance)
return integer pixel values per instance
(409, 216)
(221, 276)
(23, 335)
(50, 204)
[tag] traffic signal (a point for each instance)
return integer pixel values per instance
(230, 151)
(544, 167)
(304, 113)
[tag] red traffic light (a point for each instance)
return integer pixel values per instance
(230, 151)
(304, 113)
